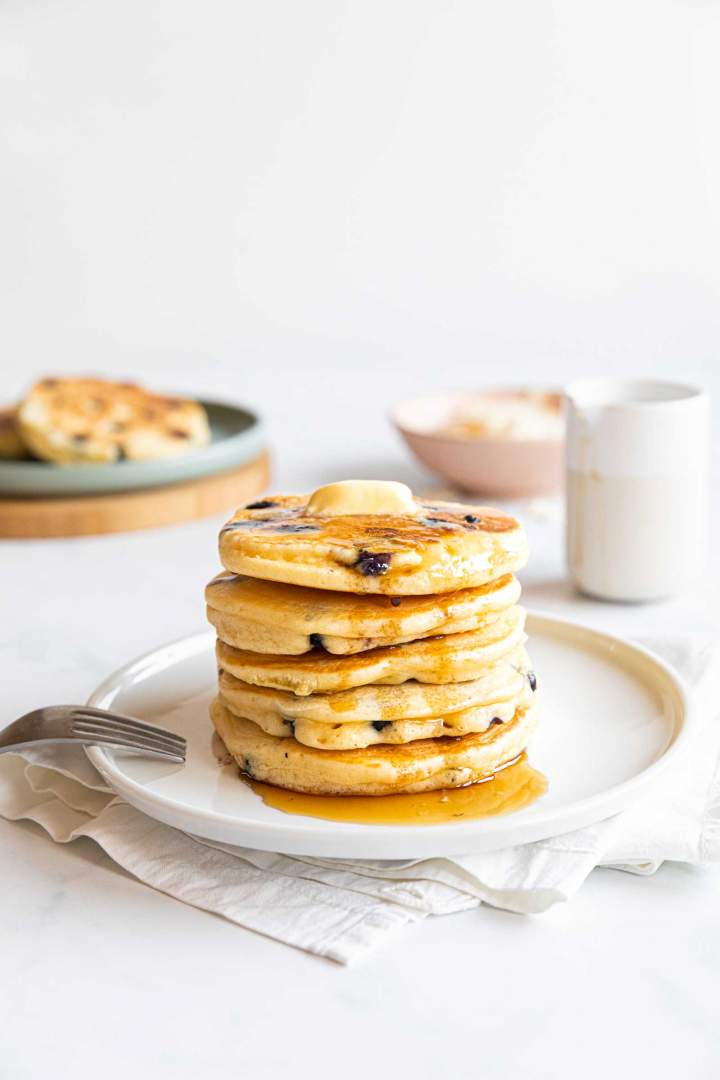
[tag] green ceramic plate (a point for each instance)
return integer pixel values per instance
(237, 436)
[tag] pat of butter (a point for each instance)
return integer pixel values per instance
(362, 497)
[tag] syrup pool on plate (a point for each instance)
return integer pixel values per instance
(511, 788)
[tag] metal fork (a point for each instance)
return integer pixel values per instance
(91, 727)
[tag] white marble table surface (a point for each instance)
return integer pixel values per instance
(104, 977)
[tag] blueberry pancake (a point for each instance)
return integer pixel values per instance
(271, 617)
(501, 681)
(422, 765)
(363, 537)
(11, 445)
(91, 420)
(349, 735)
(445, 659)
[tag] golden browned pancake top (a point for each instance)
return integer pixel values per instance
(445, 546)
(281, 516)
(91, 419)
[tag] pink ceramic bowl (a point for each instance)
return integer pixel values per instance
(499, 466)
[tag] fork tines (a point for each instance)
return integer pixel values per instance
(117, 730)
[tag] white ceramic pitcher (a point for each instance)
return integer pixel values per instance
(637, 479)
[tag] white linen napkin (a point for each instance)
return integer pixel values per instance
(340, 909)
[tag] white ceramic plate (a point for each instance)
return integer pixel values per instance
(613, 717)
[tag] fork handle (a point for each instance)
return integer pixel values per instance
(12, 737)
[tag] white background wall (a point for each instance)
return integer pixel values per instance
(262, 199)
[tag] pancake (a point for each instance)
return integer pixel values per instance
(271, 617)
(438, 547)
(92, 420)
(455, 658)
(501, 681)
(350, 736)
(11, 445)
(424, 765)
(259, 637)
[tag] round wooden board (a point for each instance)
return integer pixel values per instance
(127, 511)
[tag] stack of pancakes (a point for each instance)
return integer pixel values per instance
(370, 653)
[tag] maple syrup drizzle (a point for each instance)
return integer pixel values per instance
(514, 786)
